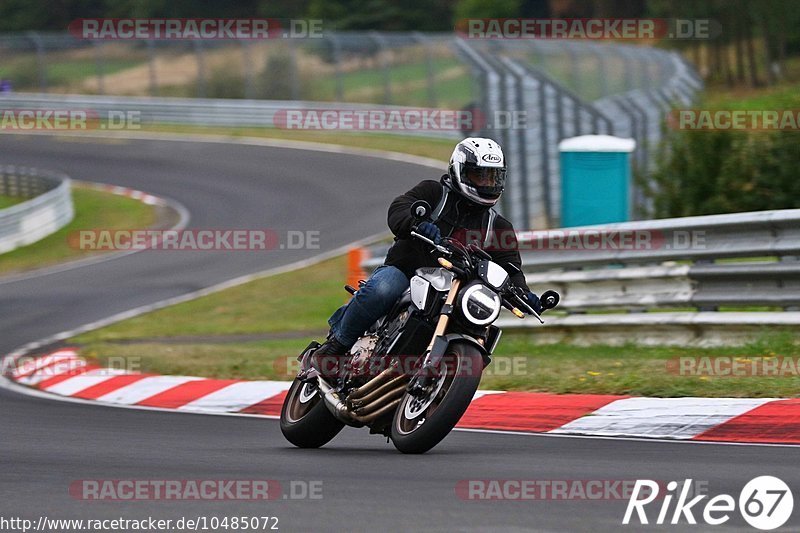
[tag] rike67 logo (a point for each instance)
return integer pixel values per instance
(765, 503)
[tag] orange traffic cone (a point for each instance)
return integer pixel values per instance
(355, 272)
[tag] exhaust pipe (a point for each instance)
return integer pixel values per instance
(379, 392)
(370, 385)
(386, 409)
(380, 402)
(383, 404)
(336, 405)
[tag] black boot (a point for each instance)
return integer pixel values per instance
(327, 359)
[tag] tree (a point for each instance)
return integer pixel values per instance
(481, 9)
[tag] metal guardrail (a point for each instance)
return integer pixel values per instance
(200, 111)
(634, 267)
(697, 238)
(49, 208)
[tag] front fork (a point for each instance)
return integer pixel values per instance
(427, 374)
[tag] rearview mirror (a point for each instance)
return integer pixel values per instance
(420, 209)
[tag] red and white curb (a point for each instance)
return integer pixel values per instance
(739, 420)
(135, 194)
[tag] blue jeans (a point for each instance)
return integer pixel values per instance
(371, 302)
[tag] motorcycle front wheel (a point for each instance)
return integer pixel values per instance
(421, 423)
(305, 420)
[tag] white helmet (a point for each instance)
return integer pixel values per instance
(478, 170)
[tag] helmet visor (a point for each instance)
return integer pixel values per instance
(485, 178)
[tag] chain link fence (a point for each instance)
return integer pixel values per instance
(566, 89)
(529, 93)
(411, 69)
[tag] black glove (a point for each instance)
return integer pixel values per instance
(533, 300)
(431, 231)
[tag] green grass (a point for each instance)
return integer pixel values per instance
(72, 71)
(293, 301)
(23, 70)
(255, 360)
(8, 201)
(782, 95)
(451, 93)
(366, 85)
(638, 370)
(301, 301)
(93, 209)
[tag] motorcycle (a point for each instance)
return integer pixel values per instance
(414, 372)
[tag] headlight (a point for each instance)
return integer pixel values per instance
(480, 305)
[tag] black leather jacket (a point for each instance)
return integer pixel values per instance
(458, 217)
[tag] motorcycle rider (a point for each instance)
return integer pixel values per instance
(464, 198)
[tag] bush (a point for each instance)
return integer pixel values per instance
(276, 80)
(707, 172)
(225, 82)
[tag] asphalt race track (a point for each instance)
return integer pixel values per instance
(46, 445)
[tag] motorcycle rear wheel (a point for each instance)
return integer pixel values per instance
(305, 420)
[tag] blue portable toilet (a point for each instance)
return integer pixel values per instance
(595, 179)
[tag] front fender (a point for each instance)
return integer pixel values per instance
(463, 337)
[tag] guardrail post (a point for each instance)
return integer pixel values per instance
(41, 61)
(99, 59)
(644, 70)
(383, 51)
(151, 67)
(574, 70)
(249, 79)
(336, 57)
(705, 307)
(522, 140)
(294, 81)
(201, 68)
(430, 74)
(641, 134)
(792, 259)
(602, 69)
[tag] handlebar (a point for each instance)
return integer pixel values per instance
(509, 296)
(439, 248)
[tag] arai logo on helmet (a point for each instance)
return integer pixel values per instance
(491, 158)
